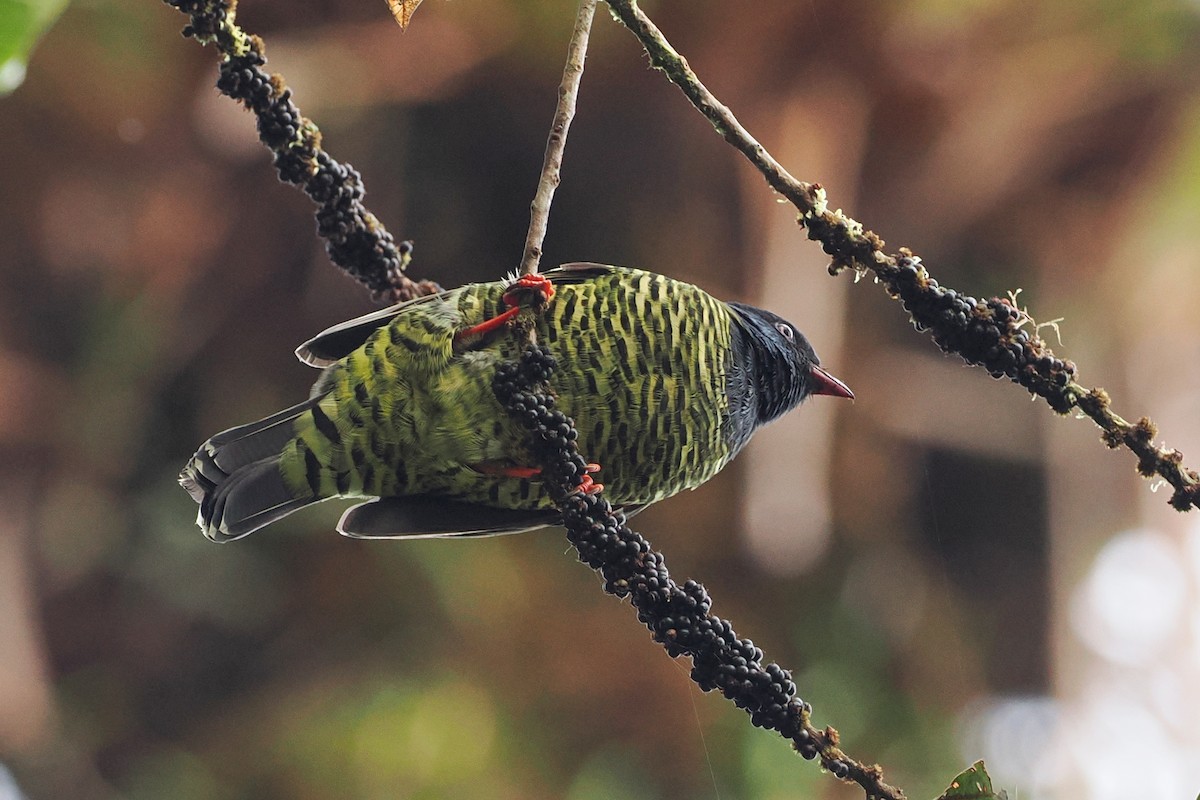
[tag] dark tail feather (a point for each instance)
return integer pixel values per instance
(235, 477)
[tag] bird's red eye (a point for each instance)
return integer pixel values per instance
(786, 330)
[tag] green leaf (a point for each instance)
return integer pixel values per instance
(22, 22)
(973, 784)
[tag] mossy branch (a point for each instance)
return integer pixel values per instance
(990, 333)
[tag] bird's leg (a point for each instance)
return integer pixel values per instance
(536, 283)
(516, 297)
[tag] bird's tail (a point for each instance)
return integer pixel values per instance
(235, 477)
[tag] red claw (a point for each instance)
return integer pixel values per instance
(589, 486)
(536, 283)
(586, 484)
(491, 468)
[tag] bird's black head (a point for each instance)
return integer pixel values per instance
(780, 363)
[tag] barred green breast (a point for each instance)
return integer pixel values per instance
(665, 384)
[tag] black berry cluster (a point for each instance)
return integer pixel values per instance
(553, 435)
(990, 333)
(993, 334)
(354, 239)
(679, 617)
(208, 17)
(1001, 338)
(987, 333)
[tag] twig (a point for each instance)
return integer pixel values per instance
(988, 333)
(568, 91)
(354, 239)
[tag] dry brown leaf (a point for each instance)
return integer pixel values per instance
(403, 10)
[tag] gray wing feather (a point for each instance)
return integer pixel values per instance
(429, 517)
(333, 344)
(339, 341)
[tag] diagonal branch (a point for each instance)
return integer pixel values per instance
(680, 618)
(355, 239)
(991, 333)
(568, 90)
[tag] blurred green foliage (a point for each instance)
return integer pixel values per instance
(973, 783)
(22, 23)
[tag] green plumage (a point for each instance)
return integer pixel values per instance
(405, 416)
(406, 408)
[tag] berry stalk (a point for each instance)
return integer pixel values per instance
(355, 239)
(678, 617)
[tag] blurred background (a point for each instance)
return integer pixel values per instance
(952, 571)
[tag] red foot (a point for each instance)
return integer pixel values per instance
(521, 472)
(587, 485)
(536, 283)
(529, 283)
(508, 472)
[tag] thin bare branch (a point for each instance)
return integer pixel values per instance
(568, 91)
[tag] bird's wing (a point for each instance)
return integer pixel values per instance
(341, 340)
(429, 517)
(333, 344)
(578, 272)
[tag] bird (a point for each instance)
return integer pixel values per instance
(665, 384)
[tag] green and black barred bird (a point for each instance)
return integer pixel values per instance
(665, 383)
